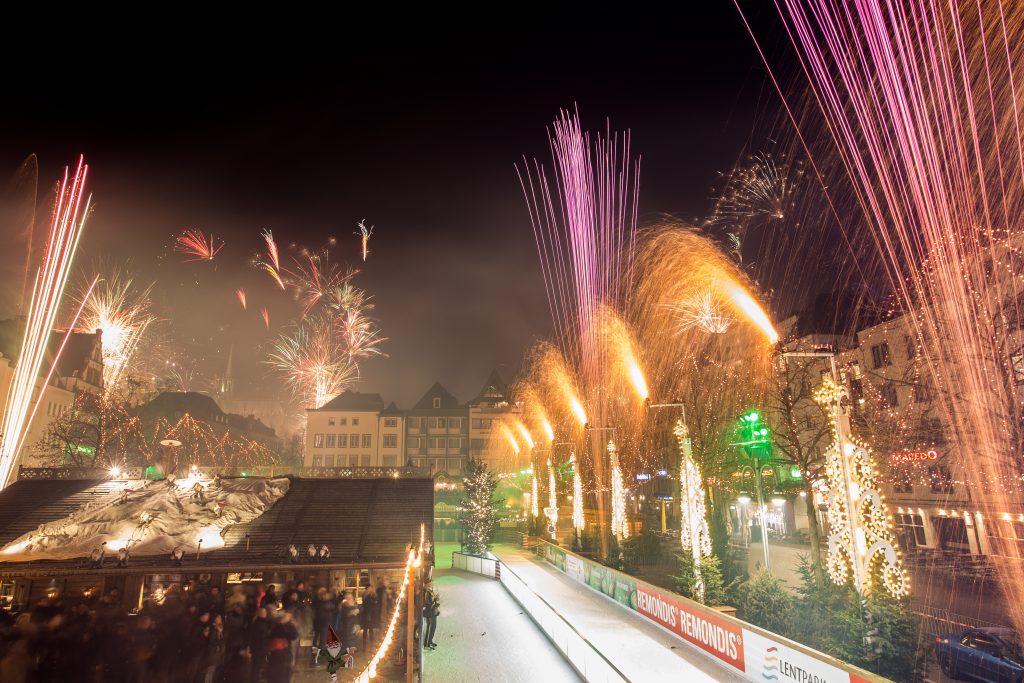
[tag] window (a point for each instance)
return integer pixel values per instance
(330, 422)
(888, 391)
(414, 422)
(341, 460)
(342, 440)
(437, 402)
(880, 355)
(367, 440)
(342, 421)
(477, 444)
(437, 442)
(911, 347)
(413, 442)
(390, 422)
(330, 441)
(454, 465)
(1017, 361)
(391, 441)
(318, 461)
(353, 441)
(328, 461)
(318, 441)
(941, 479)
(355, 421)
(455, 423)
(454, 444)
(390, 460)
(364, 460)
(437, 422)
(481, 423)
(912, 527)
(437, 464)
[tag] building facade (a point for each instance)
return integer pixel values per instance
(437, 432)
(492, 405)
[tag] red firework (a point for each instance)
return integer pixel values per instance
(194, 243)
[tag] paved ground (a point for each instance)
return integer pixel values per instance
(483, 635)
(640, 649)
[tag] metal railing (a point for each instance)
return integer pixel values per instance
(360, 472)
(936, 622)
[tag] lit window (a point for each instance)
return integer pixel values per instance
(390, 441)
(367, 440)
(437, 402)
(318, 441)
(330, 422)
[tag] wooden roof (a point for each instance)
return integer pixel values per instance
(364, 522)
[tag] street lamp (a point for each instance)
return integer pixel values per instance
(755, 438)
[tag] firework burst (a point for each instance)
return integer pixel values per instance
(121, 311)
(310, 362)
(240, 293)
(700, 310)
(761, 189)
(194, 243)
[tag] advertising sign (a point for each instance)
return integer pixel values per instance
(775, 661)
(574, 567)
(711, 633)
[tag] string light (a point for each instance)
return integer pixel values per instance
(578, 521)
(533, 494)
(620, 526)
(862, 545)
(552, 509)
(694, 533)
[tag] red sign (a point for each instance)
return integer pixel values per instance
(705, 629)
(913, 456)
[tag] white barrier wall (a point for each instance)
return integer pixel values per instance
(589, 663)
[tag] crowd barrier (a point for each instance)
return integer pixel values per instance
(589, 663)
(755, 653)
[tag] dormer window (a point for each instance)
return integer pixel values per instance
(437, 402)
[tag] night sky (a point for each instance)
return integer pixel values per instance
(417, 131)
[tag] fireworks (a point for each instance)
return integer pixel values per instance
(752, 310)
(240, 293)
(578, 521)
(66, 229)
(317, 279)
(511, 438)
(702, 311)
(194, 243)
(364, 234)
(761, 189)
(272, 265)
(121, 311)
(265, 314)
(310, 362)
(525, 433)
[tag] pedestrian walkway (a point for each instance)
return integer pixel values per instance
(640, 649)
(483, 635)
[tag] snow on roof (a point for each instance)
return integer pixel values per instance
(153, 519)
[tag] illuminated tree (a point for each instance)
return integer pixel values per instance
(97, 431)
(478, 511)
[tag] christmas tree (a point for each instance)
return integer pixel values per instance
(478, 510)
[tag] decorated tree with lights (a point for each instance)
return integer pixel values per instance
(478, 509)
(862, 546)
(694, 534)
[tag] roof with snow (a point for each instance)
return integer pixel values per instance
(354, 400)
(362, 521)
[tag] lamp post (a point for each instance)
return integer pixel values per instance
(757, 437)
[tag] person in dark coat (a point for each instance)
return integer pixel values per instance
(269, 599)
(259, 635)
(325, 614)
(348, 619)
(279, 657)
(369, 617)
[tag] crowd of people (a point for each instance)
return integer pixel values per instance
(250, 635)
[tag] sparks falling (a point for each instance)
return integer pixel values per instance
(272, 264)
(240, 293)
(69, 217)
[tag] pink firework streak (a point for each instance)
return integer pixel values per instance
(194, 243)
(266, 317)
(69, 216)
(240, 293)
